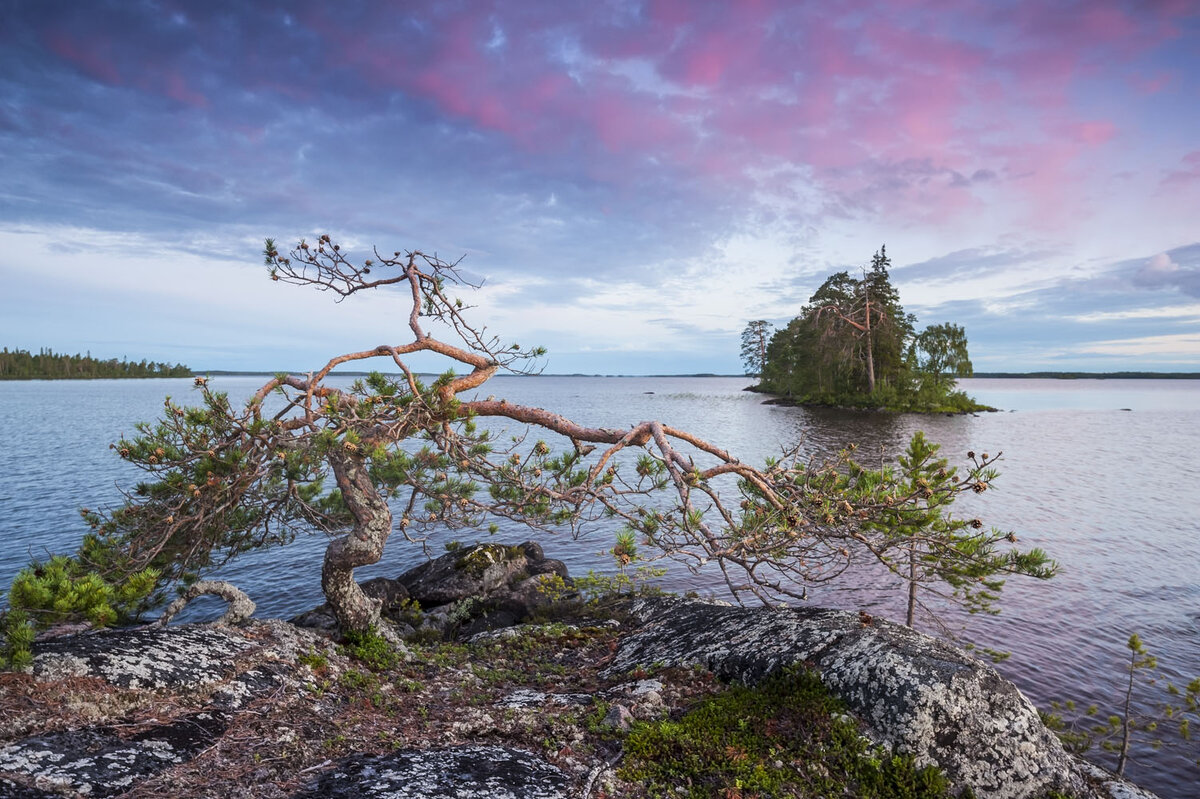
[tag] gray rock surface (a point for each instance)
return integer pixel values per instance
(529, 698)
(13, 790)
(473, 571)
(914, 694)
(467, 772)
(97, 762)
(100, 761)
(142, 657)
(618, 717)
(910, 692)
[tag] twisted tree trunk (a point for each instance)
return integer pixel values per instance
(363, 546)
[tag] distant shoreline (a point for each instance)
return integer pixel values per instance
(1093, 375)
(986, 375)
(982, 375)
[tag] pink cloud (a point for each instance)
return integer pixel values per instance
(1152, 84)
(1108, 22)
(855, 93)
(1095, 132)
(96, 55)
(93, 55)
(177, 89)
(1187, 174)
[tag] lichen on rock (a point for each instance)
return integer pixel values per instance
(465, 772)
(914, 694)
(142, 657)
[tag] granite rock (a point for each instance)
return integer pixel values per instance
(465, 772)
(913, 693)
(141, 657)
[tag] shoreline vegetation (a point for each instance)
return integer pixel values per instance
(18, 364)
(49, 365)
(854, 346)
(956, 403)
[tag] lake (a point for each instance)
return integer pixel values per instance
(1102, 474)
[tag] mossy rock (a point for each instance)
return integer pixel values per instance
(476, 571)
(476, 560)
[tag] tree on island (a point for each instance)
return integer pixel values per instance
(303, 455)
(941, 353)
(755, 338)
(854, 345)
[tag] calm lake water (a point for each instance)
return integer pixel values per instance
(1102, 474)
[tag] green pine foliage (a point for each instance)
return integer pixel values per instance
(49, 365)
(755, 338)
(219, 483)
(1167, 722)
(853, 345)
(936, 548)
(65, 589)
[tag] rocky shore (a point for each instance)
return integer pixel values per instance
(506, 689)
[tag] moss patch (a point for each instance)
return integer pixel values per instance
(477, 560)
(784, 737)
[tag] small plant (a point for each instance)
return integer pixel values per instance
(931, 547)
(1115, 733)
(375, 651)
(64, 589)
(356, 680)
(555, 587)
(408, 611)
(407, 686)
(317, 661)
(425, 636)
(596, 586)
(625, 550)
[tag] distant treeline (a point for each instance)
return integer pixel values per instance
(1097, 375)
(49, 365)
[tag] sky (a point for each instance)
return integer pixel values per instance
(632, 181)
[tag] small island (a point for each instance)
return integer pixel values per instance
(853, 346)
(49, 365)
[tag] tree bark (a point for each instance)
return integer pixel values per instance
(1125, 727)
(870, 348)
(241, 607)
(363, 546)
(912, 583)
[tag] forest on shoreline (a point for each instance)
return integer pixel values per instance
(49, 365)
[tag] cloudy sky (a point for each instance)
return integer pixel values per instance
(634, 180)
